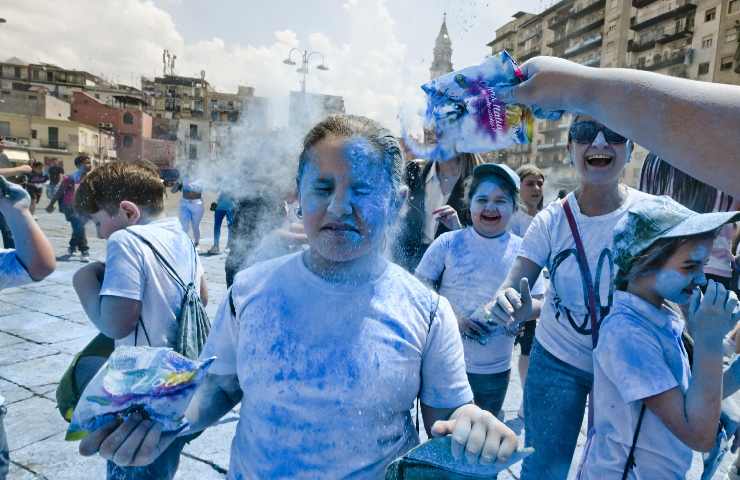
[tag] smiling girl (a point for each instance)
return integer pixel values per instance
(651, 409)
(469, 266)
(327, 349)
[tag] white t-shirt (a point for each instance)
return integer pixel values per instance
(640, 354)
(12, 274)
(564, 328)
(470, 268)
(520, 222)
(132, 271)
(330, 372)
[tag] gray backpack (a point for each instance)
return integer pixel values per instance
(193, 323)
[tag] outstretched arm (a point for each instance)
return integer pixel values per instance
(692, 125)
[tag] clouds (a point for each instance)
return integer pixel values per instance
(125, 38)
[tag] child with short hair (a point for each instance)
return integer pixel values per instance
(35, 184)
(65, 195)
(32, 260)
(130, 297)
(651, 409)
(468, 266)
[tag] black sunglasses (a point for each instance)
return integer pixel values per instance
(585, 132)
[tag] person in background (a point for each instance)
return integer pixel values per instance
(35, 182)
(65, 196)
(33, 260)
(224, 208)
(532, 198)
(191, 205)
(652, 409)
(55, 171)
(435, 204)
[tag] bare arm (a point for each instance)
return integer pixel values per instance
(33, 249)
(203, 290)
(690, 124)
(115, 317)
(13, 171)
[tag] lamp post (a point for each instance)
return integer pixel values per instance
(306, 59)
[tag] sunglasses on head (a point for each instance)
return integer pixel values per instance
(585, 133)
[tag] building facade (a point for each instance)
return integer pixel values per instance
(697, 39)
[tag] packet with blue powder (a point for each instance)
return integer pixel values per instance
(467, 116)
(156, 382)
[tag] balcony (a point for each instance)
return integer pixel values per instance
(552, 126)
(54, 145)
(635, 46)
(673, 9)
(675, 34)
(584, 46)
(579, 31)
(588, 8)
(663, 61)
(642, 3)
(558, 20)
(592, 62)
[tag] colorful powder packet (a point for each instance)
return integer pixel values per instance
(156, 382)
(466, 115)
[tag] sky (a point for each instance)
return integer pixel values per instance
(378, 51)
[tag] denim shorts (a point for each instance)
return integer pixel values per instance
(489, 389)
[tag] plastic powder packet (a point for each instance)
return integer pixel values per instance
(466, 114)
(156, 382)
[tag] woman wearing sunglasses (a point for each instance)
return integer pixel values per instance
(561, 372)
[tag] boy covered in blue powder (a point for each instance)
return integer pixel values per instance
(33, 260)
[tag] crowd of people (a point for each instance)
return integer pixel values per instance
(384, 282)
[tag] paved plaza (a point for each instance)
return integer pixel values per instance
(42, 326)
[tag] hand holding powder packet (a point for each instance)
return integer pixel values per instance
(468, 117)
(157, 382)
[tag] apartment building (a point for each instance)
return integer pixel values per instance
(697, 39)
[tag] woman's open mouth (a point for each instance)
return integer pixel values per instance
(599, 160)
(490, 217)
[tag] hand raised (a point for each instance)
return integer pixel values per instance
(448, 217)
(511, 307)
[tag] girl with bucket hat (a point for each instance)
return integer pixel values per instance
(651, 409)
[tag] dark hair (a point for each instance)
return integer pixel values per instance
(473, 182)
(658, 177)
(107, 186)
(655, 256)
(354, 125)
(81, 158)
(36, 163)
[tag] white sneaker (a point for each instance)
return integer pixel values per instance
(85, 257)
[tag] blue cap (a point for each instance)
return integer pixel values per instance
(500, 170)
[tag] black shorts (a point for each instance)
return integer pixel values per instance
(525, 339)
(34, 192)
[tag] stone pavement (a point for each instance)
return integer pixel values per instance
(42, 326)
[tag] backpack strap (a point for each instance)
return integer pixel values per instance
(163, 261)
(630, 464)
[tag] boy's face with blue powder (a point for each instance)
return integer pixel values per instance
(346, 198)
(681, 274)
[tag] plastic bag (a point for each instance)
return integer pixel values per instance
(158, 382)
(467, 116)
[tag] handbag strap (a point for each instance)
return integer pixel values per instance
(163, 261)
(629, 465)
(585, 271)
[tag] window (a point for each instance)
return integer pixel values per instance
(612, 27)
(703, 68)
(707, 41)
(726, 63)
(34, 134)
(128, 119)
(641, 62)
(734, 6)
(4, 129)
(193, 131)
(193, 152)
(17, 72)
(128, 140)
(710, 14)
(731, 36)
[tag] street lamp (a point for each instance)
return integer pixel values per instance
(305, 60)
